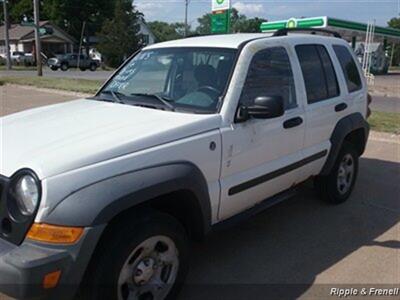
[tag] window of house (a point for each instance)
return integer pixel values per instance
(349, 68)
(318, 73)
(145, 39)
(270, 74)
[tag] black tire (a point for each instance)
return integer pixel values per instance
(328, 187)
(93, 67)
(54, 68)
(82, 69)
(64, 67)
(117, 245)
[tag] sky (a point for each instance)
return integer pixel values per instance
(356, 10)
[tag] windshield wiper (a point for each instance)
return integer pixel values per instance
(116, 95)
(163, 100)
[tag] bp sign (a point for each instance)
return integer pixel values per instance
(220, 5)
(291, 23)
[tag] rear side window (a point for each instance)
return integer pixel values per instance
(349, 68)
(270, 74)
(318, 72)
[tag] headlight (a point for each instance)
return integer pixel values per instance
(26, 192)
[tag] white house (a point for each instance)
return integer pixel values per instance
(147, 36)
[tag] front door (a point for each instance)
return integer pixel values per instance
(259, 155)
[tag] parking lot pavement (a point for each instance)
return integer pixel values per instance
(300, 248)
(303, 247)
(14, 99)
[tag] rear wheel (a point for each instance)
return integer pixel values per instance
(82, 69)
(54, 68)
(93, 67)
(336, 187)
(146, 259)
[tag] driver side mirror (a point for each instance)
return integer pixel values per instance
(266, 107)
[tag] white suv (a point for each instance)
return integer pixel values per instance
(101, 195)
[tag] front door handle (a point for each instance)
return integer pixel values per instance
(292, 122)
(340, 107)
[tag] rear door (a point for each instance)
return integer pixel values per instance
(325, 102)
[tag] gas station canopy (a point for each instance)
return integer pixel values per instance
(349, 30)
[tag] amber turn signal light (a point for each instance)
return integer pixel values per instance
(54, 234)
(50, 280)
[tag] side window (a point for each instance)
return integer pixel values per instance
(349, 68)
(330, 75)
(270, 74)
(318, 73)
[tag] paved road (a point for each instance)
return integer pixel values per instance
(386, 104)
(299, 248)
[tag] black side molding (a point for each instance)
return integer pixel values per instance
(264, 178)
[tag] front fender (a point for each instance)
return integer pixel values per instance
(99, 202)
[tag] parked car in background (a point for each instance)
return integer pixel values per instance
(72, 60)
(21, 58)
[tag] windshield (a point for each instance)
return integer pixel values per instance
(191, 79)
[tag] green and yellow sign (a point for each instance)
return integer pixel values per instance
(217, 5)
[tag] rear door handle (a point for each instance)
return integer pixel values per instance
(292, 122)
(340, 107)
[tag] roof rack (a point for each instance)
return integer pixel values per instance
(285, 31)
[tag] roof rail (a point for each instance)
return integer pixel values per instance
(285, 31)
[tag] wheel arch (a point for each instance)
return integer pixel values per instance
(353, 129)
(179, 189)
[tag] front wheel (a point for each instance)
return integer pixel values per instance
(64, 67)
(336, 187)
(146, 259)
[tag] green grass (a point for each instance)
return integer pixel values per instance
(18, 68)
(385, 122)
(66, 84)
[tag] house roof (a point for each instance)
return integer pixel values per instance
(18, 32)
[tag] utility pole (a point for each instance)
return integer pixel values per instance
(38, 46)
(186, 17)
(6, 27)
(80, 42)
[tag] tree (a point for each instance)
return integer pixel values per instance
(70, 15)
(204, 26)
(163, 31)
(119, 36)
(395, 23)
(249, 25)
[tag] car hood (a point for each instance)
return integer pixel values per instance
(54, 139)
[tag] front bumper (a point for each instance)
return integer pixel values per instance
(22, 268)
